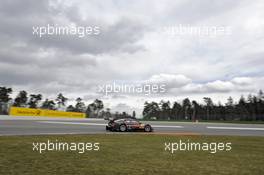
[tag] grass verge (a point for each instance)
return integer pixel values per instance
(133, 154)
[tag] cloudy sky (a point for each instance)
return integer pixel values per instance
(137, 44)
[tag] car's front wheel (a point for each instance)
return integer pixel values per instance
(147, 128)
(122, 128)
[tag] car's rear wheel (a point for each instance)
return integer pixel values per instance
(147, 128)
(122, 128)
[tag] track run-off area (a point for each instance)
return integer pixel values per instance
(14, 125)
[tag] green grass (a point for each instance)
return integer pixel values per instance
(131, 154)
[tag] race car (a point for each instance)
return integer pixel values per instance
(128, 124)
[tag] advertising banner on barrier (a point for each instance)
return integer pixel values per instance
(17, 111)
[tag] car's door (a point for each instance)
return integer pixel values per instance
(134, 124)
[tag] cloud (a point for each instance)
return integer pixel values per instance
(123, 107)
(220, 86)
(116, 37)
(242, 80)
(170, 80)
(130, 48)
(236, 85)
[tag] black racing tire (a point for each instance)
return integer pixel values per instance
(122, 128)
(147, 128)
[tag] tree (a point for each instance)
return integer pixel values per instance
(221, 111)
(230, 101)
(261, 96)
(186, 105)
(165, 109)
(255, 108)
(250, 98)
(99, 105)
(151, 110)
(94, 108)
(195, 107)
(242, 101)
(90, 111)
(209, 104)
(4, 99)
(134, 114)
(108, 114)
(61, 100)
(260, 105)
(80, 106)
(230, 110)
(146, 109)
(176, 111)
(48, 104)
(21, 99)
(242, 108)
(4, 94)
(250, 109)
(34, 100)
(70, 108)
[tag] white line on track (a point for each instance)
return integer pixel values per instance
(49, 133)
(48, 118)
(166, 126)
(101, 124)
(234, 128)
(73, 123)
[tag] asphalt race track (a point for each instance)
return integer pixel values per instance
(46, 126)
